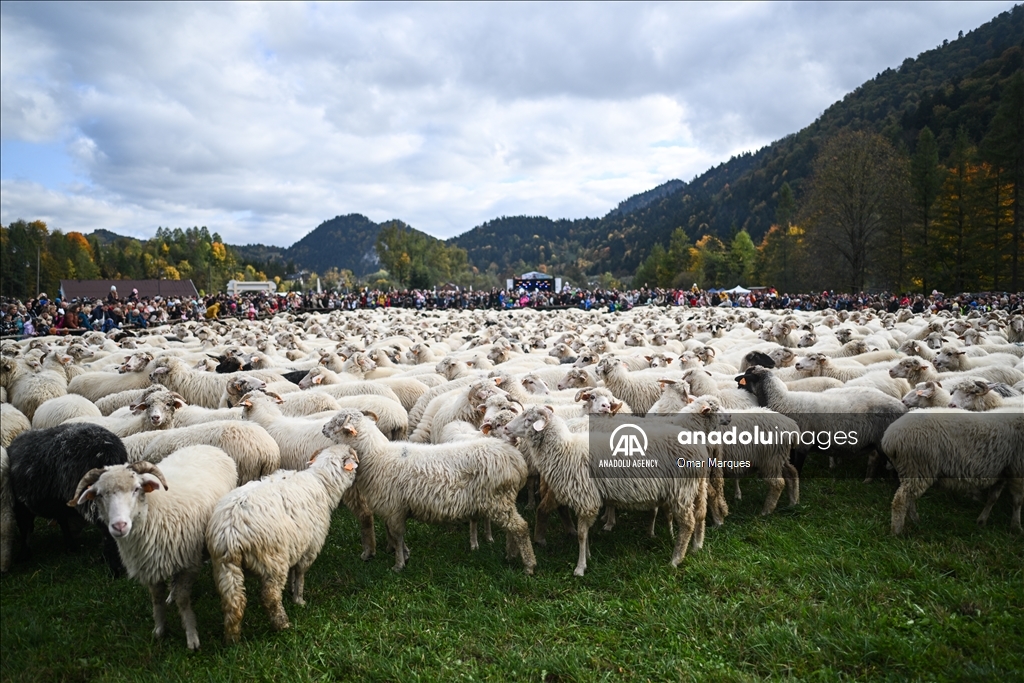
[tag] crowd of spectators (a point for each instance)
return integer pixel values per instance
(44, 315)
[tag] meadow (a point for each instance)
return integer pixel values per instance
(819, 591)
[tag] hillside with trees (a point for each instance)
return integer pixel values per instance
(33, 254)
(934, 146)
(955, 91)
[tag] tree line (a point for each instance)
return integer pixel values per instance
(880, 216)
(35, 258)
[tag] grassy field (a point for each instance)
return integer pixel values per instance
(820, 591)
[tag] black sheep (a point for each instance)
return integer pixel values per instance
(46, 466)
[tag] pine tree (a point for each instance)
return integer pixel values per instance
(926, 178)
(1003, 147)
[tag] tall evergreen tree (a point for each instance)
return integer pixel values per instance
(1003, 146)
(784, 213)
(926, 178)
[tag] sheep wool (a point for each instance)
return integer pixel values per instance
(158, 517)
(275, 528)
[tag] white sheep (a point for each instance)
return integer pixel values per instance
(254, 451)
(275, 528)
(436, 483)
(564, 461)
(155, 410)
(112, 402)
(1000, 366)
(158, 517)
(63, 408)
(770, 460)
(963, 448)
(199, 388)
(332, 383)
(461, 404)
(928, 394)
(863, 410)
(132, 374)
(701, 383)
(29, 385)
(639, 391)
(820, 365)
(979, 396)
(12, 423)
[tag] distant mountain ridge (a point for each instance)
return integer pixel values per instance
(954, 85)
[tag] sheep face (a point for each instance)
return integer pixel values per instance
(313, 378)
(753, 380)
(574, 379)
(948, 359)
(710, 409)
(119, 494)
(811, 363)
(970, 395)
(137, 363)
(599, 401)
(924, 395)
(659, 360)
(528, 424)
(344, 426)
(159, 407)
(782, 357)
(534, 385)
(586, 358)
(908, 368)
(607, 366)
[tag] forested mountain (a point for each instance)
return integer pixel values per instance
(956, 85)
(343, 242)
(937, 141)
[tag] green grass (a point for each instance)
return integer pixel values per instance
(821, 592)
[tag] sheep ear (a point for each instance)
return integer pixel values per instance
(137, 408)
(616, 406)
(150, 483)
(87, 494)
(486, 428)
(372, 415)
(351, 431)
(350, 464)
(648, 358)
(539, 425)
(482, 408)
(669, 359)
(982, 387)
(742, 381)
(277, 398)
(497, 381)
(161, 371)
(664, 381)
(705, 410)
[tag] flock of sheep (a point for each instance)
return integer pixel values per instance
(238, 439)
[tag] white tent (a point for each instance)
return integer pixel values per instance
(738, 290)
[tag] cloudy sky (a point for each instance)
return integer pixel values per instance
(260, 121)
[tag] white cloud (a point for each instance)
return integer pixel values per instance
(262, 120)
